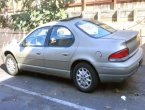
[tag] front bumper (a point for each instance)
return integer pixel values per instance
(121, 70)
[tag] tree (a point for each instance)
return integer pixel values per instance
(83, 7)
(49, 10)
(29, 4)
(38, 3)
(3, 4)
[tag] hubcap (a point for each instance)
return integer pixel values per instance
(83, 77)
(10, 65)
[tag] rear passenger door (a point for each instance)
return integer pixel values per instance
(61, 47)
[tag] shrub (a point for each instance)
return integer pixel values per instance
(3, 4)
(3, 21)
(21, 21)
(30, 19)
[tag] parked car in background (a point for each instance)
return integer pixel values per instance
(85, 51)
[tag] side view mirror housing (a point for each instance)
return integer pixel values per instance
(23, 44)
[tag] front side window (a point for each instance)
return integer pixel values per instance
(93, 29)
(37, 37)
(61, 37)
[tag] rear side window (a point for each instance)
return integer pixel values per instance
(92, 29)
(61, 37)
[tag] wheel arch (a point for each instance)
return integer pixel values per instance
(81, 61)
(8, 52)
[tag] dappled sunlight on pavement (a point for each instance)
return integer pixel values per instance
(3, 75)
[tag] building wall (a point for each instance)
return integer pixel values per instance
(103, 6)
(127, 14)
(131, 5)
(123, 11)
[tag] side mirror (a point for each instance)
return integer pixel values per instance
(24, 43)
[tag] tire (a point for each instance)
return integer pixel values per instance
(11, 65)
(85, 77)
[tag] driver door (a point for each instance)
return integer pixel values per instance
(31, 55)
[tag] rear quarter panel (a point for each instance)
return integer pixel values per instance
(95, 50)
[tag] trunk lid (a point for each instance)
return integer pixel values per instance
(130, 38)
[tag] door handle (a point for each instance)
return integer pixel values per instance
(65, 54)
(38, 53)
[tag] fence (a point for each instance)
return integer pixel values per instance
(112, 15)
(7, 35)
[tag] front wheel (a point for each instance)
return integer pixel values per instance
(85, 77)
(11, 65)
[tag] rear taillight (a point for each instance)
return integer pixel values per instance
(120, 55)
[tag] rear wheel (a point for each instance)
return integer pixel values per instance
(11, 65)
(85, 77)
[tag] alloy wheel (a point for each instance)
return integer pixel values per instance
(84, 78)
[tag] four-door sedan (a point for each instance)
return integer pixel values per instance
(85, 51)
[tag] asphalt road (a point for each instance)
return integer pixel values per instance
(32, 91)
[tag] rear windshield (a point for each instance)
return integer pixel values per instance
(95, 30)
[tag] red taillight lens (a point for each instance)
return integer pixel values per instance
(120, 55)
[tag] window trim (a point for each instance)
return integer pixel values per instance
(33, 32)
(89, 34)
(49, 35)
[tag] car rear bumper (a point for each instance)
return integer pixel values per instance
(122, 70)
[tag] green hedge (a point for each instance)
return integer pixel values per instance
(49, 11)
(3, 21)
(31, 19)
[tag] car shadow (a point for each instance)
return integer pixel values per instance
(3, 67)
(39, 76)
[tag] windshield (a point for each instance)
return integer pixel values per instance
(95, 29)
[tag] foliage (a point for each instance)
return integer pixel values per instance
(31, 4)
(3, 4)
(20, 21)
(31, 19)
(3, 21)
(27, 4)
(50, 10)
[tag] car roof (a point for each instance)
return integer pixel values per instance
(64, 22)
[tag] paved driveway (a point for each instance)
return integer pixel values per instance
(31, 91)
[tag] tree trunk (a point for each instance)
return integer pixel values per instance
(14, 7)
(83, 5)
(38, 3)
(114, 4)
(83, 8)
